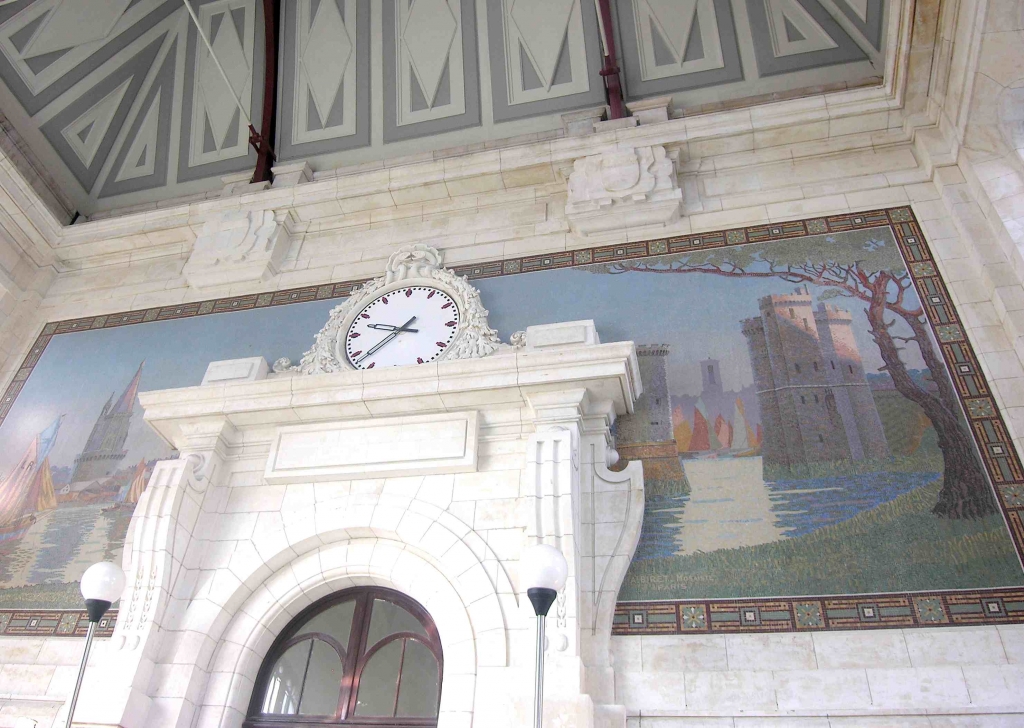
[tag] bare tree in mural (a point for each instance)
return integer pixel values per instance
(875, 274)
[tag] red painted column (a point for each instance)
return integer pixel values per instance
(263, 141)
(610, 72)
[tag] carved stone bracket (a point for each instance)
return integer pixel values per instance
(623, 188)
(239, 247)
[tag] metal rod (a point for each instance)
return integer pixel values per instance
(206, 41)
(538, 692)
(81, 673)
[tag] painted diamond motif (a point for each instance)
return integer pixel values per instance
(981, 407)
(1013, 495)
(542, 26)
(808, 614)
(326, 56)
(220, 107)
(929, 609)
(76, 22)
(428, 34)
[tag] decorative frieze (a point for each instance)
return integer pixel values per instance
(238, 247)
(622, 189)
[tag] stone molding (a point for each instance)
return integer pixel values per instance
(623, 189)
(171, 225)
(239, 247)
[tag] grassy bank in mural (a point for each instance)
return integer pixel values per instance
(799, 431)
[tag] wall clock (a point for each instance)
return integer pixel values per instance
(411, 325)
(418, 312)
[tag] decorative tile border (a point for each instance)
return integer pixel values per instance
(807, 614)
(873, 611)
(52, 623)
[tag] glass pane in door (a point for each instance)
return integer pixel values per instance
(285, 685)
(322, 691)
(388, 618)
(379, 681)
(335, 621)
(417, 692)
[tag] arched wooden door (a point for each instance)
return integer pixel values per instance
(362, 658)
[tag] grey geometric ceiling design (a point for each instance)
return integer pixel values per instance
(83, 132)
(107, 83)
(677, 45)
(866, 15)
(122, 102)
(324, 95)
(792, 35)
(431, 82)
(214, 138)
(545, 57)
(142, 162)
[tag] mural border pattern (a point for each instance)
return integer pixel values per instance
(789, 614)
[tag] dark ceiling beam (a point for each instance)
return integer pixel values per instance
(610, 72)
(262, 141)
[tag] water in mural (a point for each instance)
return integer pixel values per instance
(798, 431)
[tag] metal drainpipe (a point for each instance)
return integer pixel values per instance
(262, 143)
(610, 72)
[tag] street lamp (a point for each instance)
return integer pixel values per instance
(102, 585)
(543, 571)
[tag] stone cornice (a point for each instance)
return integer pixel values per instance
(504, 381)
(169, 228)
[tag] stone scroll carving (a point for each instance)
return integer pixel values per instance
(237, 247)
(623, 188)
(414, 264)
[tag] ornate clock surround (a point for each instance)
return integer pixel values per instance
(413, 265)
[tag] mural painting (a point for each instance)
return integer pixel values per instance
(800, 430)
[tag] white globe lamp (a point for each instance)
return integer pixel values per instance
(102, 584)
(542, 571)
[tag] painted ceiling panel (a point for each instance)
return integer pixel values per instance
(122, 102)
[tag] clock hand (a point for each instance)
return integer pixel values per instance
(389, 327)
(387, 339)
(376, 347)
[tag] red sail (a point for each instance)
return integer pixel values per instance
(699, 441)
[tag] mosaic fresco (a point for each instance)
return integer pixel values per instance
(819, 445)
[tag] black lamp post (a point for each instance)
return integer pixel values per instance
(102, 585)
(543, 571)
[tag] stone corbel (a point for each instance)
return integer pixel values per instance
(623, 188)
(240, 246)
(594, 516)
(119, 692)
(159, 580)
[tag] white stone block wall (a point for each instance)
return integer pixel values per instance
(918, 677)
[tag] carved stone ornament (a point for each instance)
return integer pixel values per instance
(413, 265)
(236, 247)
(623, 188)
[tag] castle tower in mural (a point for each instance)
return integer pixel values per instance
(816, 404)
(647, 433)
(651, 421)
(104, 449)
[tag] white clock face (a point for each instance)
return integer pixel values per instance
(412, 325)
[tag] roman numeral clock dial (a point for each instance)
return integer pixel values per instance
(411, 325)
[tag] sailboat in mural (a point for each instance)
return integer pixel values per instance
(28, 488)
(130, 493)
